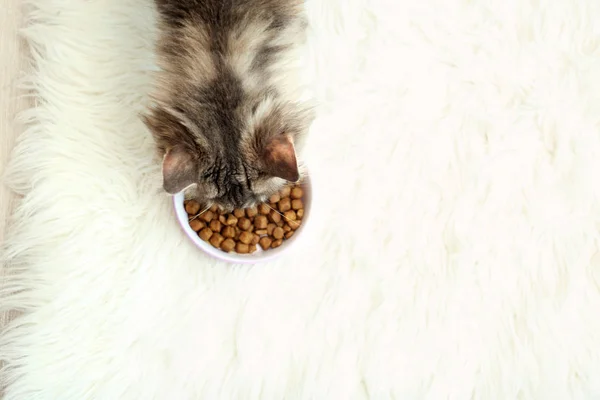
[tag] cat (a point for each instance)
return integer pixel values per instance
(226, 117)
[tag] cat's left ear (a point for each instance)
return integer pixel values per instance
(279, 157)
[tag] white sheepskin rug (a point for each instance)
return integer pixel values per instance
(454, 252)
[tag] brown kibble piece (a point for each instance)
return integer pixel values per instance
(261, 222)
(297, 204)
(294, 225)
(242, 248)
(214, 208)
(265, 242)
(244, 224)
(280, 223)
(246, 237)
(278, 233)
(275, 198)
(276, 243)
(228, 245)
(255, 240)
(261, 232)
(286, 228)
(274, 216)
(285, 192)
(252, 248)
(215, 225)
(208, 216)
(216, 239)
(192, 207)
(222, 219)
(264, 209)
(239, 213)
(231, 220)
(228, 232)
(251, 212)
(296, 193)
(300, 213)
(290, 215)
(289, 234)
(284, 205)
(196, 225)
(270, 228)
(205, 234)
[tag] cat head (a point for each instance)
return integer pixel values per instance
(234, 157)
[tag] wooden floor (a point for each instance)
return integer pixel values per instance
(12, 67)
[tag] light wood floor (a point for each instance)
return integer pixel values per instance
(12, 67)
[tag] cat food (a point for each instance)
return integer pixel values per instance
(243, 231)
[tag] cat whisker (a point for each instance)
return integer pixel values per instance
(199, 214)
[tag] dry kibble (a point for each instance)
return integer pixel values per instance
(215, 225)
(196, 225)
(261, 222)
(275, 198)
(228, 232)
(297, 204)
(216, 239)
(265, 242)
(278, 233)
(208, 216)
(239, 213)
(246, 237)
(297, 193)
(205, 234)
(284, 204)
(244, 224)
(267, 225)
(228, 245)
(242, 248)
(285, 192)
(290, 215)
(294, 225)
(274, 216)
(192, 207)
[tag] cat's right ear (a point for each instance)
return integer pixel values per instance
(179, 170)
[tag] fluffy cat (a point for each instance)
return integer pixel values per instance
(226, 119)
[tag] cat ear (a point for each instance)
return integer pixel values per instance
(279, 157)
(179, 170)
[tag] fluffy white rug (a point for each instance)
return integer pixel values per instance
(456, 250)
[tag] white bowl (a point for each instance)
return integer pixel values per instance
(259, 255)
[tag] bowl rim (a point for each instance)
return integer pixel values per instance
(257, 257)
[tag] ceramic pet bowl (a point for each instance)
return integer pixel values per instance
(259, 255)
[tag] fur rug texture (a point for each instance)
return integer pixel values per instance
(454, 252)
